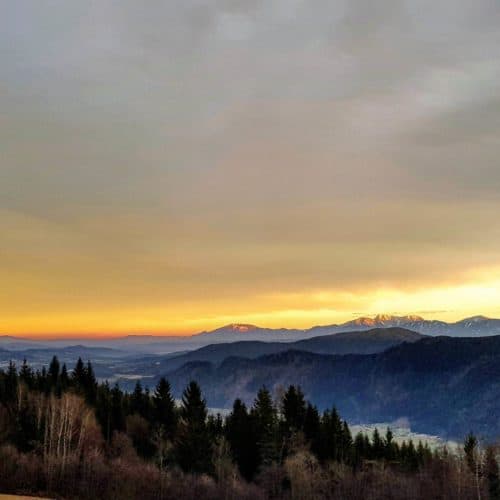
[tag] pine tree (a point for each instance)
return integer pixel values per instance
(470, 446)
(377, 445)
(164, 410)
(104, 410)
(294, 409)
(389, 445)
(53, 374)
(136, 399)
(79, 376)
(312, 428)
(117, 410)
(345, 444)
(64, 377)
(360, 452)
(331, 436)
(26, 375)
(265, 418)
(11, 383)
(242, 439)
(193, 444)
(90, 384)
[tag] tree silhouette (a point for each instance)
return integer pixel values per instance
(193, 444)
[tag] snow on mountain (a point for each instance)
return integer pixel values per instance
(469, 327)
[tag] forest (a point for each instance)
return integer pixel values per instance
(63, 434)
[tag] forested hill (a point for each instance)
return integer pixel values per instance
(443, 385)
(64, 435)
(360, 342)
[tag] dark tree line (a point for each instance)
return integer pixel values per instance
(188, 437)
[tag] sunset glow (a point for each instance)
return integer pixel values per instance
(179, 169)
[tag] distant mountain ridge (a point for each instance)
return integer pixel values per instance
(356, 342)
(475, 326)
(469, 327)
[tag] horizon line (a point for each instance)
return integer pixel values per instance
(55, 336)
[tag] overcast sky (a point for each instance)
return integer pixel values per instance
(168, 166)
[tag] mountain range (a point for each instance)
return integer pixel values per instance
(477, 326)
(444, 385)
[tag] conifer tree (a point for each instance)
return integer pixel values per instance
(137, 400)
(265, 418)
(53, 374)
(11, 381)
(389, 445)
(117, 410)
(470, 446)
(104, 410)
(64, 377)
(90, 384)
(26, 374)
(330, 436)
(312, 427)
(345, 444)
(294, 409)
(360, 451)
(193, 445)
(377, 445)
(164, 410)
(78, 376)
(242, 439)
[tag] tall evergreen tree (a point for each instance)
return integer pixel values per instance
(345, 444)
(241, 435)
(79, 376)
(378, 446)
(11, 382)
(54, 371)
(104, 410)
(64, 377)
(330, 436)
(26, 374)
(389, 445)
(137, 399)
(360, 450)
(90, 384)
(294, 409)
(470, 446)
(312, 428)
(193, 444)
(265, 419)
(164, 410)
(117, 410)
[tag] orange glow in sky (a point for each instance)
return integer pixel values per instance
(173, 169)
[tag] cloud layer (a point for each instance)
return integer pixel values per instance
(170, 165)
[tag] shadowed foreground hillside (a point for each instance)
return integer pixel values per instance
(66, 436)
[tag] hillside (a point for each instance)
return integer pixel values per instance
(363, 342)
(443, 385)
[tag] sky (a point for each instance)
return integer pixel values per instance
(172, 166)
